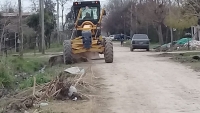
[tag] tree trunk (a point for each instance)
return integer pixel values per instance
(167, 35)
(40, 43)
(20, 29)
(160, 35)
(1, 41)
(46, 42)
(49, 42)
(63, 26)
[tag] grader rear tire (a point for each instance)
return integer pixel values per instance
(108, 53)
(67, 52)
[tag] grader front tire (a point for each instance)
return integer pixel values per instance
(108, 53)
(67, 52)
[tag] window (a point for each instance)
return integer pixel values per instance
(140, 36)
(89, 13)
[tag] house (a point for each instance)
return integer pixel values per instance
(10, 30)
(195, 31)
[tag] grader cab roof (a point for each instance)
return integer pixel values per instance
(94, 7)
(85, 3)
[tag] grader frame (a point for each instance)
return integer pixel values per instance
(86, 36)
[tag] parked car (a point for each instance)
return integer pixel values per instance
(140, 41)
(127, 37)
(111, 37)
(118, 37)
(104, 37)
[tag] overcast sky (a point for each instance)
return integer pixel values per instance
(26, 4)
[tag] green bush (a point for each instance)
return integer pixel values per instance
(127, 43)
(14, 65)
(6, 80)
(26, 65)
(40, 79)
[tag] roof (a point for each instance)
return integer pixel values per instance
(15, 14)
(13, 21)
(84, 3)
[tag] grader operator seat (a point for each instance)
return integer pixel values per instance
(86, 36)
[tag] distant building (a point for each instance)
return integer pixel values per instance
(13, 20)
(195, 31)
(25, 14)
(12, 26)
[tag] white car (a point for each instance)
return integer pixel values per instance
(106, 38)
(111, 37)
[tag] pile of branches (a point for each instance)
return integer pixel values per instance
(58, 88)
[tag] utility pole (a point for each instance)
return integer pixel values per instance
(20, 28)
(136, 18)
(131, 29)
(42, 26)
(123, 17)
(58, 34)
(171, 29)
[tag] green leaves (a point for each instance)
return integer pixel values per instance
(177, 19)
(49, 18)
(33, 21)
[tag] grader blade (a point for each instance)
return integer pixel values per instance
(90, 55)
(93, 55)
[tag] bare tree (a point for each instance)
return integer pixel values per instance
(8, 7)
(3, 23)
(192, 7)
(35, 5)
(138, 16)
(63, 3)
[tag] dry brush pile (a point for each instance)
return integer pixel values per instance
(62, 87)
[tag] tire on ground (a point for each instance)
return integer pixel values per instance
(108, 52)
(147, 49)
(67, 52)
(131, 48)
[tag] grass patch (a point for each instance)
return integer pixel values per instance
(14, 70)
(27, 65)
(6, 79)
(191, 59)
(41, 78)
(127, 43)
(55, 48)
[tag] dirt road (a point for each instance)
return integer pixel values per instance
(139, 83)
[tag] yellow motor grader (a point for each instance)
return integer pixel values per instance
(86, 36)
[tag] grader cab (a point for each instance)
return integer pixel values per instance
(86, 36)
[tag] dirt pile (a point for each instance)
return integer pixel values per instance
(58, 59)
(77, 58)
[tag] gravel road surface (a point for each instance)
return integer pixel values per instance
(137, 82)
